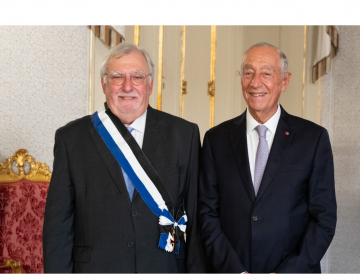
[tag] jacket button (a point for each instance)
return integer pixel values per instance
(255, 218)
(134, 214)
(130, 244)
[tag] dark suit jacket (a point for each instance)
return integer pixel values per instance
(91, 225)
(290, 224)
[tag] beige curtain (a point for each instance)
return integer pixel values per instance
(327, 48)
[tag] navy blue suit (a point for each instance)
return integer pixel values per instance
(288, 227)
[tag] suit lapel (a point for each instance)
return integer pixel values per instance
(283, 137)
(239, 146)
(154, 129)
(111, 164)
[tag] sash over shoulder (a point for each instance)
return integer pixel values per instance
(133, 161)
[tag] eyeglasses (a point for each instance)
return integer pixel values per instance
(119, 79)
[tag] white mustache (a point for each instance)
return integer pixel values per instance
(136, 95)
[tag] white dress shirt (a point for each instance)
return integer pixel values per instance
(139, 129)
(252, 136)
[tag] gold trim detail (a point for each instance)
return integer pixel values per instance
(183, 87)
(211, 84)
(211, 88)
(37, 172)
(90, 71)
(136, 34)
(161, 45)
(183, 84)
(13, 264)
(303, 82)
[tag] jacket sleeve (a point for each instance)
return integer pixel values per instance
(221, 254)
(58, 231)
(322, 210)
(195, 254)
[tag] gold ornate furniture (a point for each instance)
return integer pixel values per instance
(24, 184)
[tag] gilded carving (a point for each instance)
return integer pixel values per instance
(38, 171)
(183, 82)
(211, 88)
(211, 84)
(13, 264)
(183, 87)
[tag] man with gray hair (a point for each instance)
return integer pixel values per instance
(123, 194)
(267, 197)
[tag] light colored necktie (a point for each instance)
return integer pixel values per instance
(129, 184)
(262, 155)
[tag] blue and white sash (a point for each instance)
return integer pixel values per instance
(133, 161)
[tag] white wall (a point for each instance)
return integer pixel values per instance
(341, 116)
(43, 85)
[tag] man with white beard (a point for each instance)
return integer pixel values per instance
(123, 194)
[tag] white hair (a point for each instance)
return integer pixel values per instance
(283, 59)
(125, 49)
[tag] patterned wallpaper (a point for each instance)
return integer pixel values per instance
(43, 85)
(341, 117)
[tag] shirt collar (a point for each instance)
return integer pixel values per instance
(271, 124)
(139, 123)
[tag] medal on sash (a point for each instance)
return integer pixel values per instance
(133, 161)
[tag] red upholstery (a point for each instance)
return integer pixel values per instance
(22, 207)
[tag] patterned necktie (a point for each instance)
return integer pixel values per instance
(262, 154)
(128, 183)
